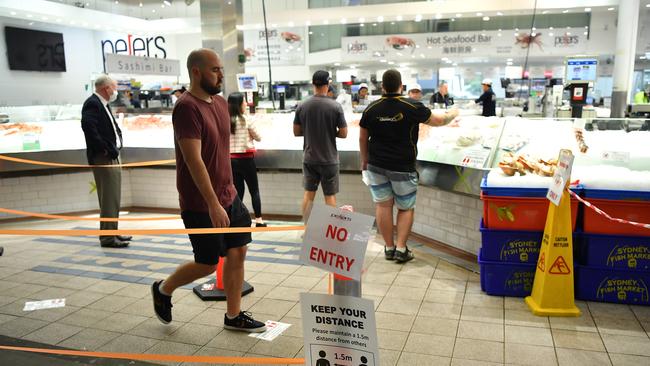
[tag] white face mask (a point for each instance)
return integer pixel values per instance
(113, 96)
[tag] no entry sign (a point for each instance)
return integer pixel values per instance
(335, 240)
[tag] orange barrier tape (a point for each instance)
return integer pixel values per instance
(168, 358)
(64, 165)
(214, 230)
(79, 218)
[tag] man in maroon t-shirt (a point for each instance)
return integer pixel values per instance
(206, 192)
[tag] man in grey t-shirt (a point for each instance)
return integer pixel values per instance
(320, 120)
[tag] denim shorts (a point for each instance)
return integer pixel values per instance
(386, 184)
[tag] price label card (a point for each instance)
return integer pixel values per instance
(44, 304)
(616, 156)
(579, 123)
(475, 158)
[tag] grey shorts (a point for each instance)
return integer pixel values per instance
(326, 175)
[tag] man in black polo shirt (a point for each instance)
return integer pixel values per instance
(388, 145)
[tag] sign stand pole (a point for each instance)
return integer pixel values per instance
(213, 290)
(346, 286)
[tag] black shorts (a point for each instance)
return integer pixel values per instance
(326, 175)
(208, 248)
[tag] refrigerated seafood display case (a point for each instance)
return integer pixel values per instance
(451, 158)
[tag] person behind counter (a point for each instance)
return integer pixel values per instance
(442, 96)
(103, 145)
(415, 92)
(331, 91)
(643, 96)
(242, 154)
(488, 99)
(362, 95)
(177, 94)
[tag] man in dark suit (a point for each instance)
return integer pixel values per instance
(103, 144)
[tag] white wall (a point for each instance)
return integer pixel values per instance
(185, 43)
(83, 56)
(281, 73)
(33, 87)
(444, 216)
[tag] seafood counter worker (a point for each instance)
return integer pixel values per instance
(442, 96)
(488, 99)
(362, 94)
(643, 96)
(415, 92)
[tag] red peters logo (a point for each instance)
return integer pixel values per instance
(135, 46)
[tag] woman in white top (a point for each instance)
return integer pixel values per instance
(242, 154)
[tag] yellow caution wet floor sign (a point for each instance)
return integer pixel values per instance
(553, 285)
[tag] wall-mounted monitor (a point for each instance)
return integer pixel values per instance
(247, 83)
(33, 50)
(581, 69)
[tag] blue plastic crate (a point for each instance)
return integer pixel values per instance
(610, 194)
(518, 192)
(615, 251)
(510, 246)
(612, 285)
(506, 279)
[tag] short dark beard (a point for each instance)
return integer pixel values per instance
(208, 88)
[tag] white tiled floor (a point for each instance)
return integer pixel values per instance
(429, 311)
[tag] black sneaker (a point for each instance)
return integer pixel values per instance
(260, 224)
(162, 304)
(389, 254)
(403, 257)
(244, 322)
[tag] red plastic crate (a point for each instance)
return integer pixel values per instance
(519, 213)
(638, 211)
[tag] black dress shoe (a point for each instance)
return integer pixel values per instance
(115, 243)
(124, 237)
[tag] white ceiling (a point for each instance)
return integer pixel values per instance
(56, 12)
(413, 10)
(144, 9)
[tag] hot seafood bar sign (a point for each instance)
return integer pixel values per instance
(286, 46)
(542, 42)
(335, 240)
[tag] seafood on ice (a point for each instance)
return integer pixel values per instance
(146, 122)
(522, 164)
(15, 128)
(580, 139)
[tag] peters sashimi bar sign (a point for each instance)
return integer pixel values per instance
(150, 47)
